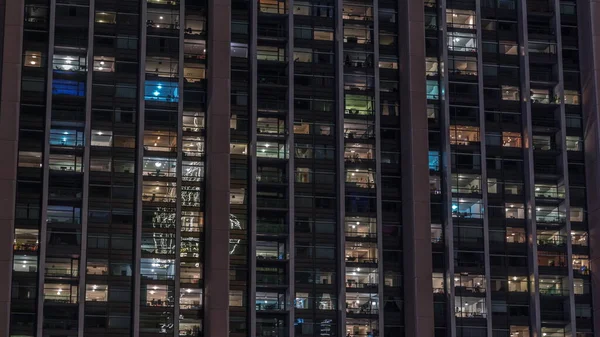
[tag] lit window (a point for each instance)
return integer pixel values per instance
(574, 143)
(514, 211)
(65, 162)
(104, 63)
(33, 59)
(162, 141)
(194, 73)
(323, 35)
(162, 91)
(63, 137)
(69, 63)
(541, 96)
(572, 97)
(161, 67)
(434, 160)
(511, 139)
(96, 292)
(360, 178)
(303, 55)
(459, 18)
(101, 138)
(26, 240)
(30, 159)
(510, 93)
(272, 6)
(162, 20)
(106, 17)
(466, 42)
(433, 91)
(68, 88)
(463, 135)
(515, 235)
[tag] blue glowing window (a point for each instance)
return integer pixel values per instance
(162, 91)
(63, 137)
(433, 91)
(434, 160)
(69, 88)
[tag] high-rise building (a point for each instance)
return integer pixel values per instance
(273, 168)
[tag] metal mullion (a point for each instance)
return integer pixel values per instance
(290, 169)
(46, 173)
(378, 186)
(252, 162)
(483, 176)
(445, 169)
(139, 169)
(565, 168)
(341, 190)
(179, 169)
(86, 168)
(534, 312)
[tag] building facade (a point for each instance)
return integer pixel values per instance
(260, 168)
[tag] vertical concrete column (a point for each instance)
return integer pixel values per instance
(216, 288)
(11, 17)
(589, 43)
(418, 292)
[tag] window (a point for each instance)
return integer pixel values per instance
(515, 235)
(104, 63)
(101, 138)
(322, 35)
(25, 240)
(514, 211)
(434, 161)
(464, 208)
(360, 178)
(236, 298)
(465, 42)
(106, 17)
(574, 143)
(431, 65)
(541, 96)
(354, 34)
(60, 293)
(163, 141)
(576, 214)
(272, 6)
(462, 65)
(463, 135)
(63, 137)
(541, 47)
(163, 91)
(162, 19)
(433, 89)
(96, 293)
(303, 55)
(267, 53)
(65, 162)
(358, 105)
(68, 88)
(510, 93)
(458, 18)
(33, 59)
(437, 235)
(68, 63)
(517, 284)
(543, 143)
(572, 97)
(511, 139)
